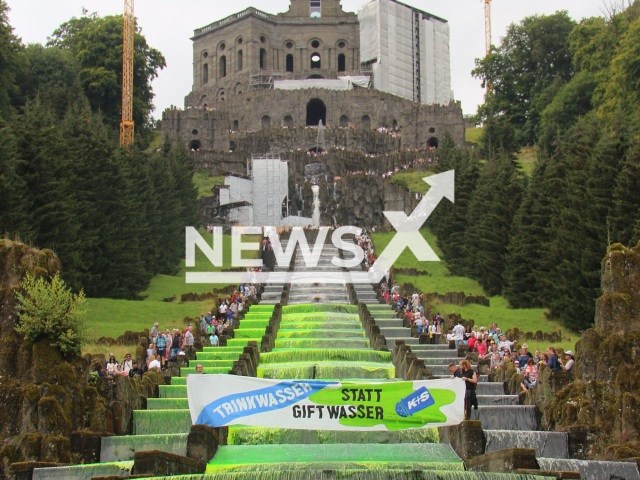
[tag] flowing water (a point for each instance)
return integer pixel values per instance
(315, 217)
(321, 337)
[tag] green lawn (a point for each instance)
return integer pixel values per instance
(527, 160)
(441, 281)
(111, 318)
(473, 134)
(412, 180)
(204, 181)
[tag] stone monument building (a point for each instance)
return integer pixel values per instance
(263, 83)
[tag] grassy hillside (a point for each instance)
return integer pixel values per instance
(440, 280)
(411, 180)
(111, 318)
(527, 160)
(473, 134)
(204, 181)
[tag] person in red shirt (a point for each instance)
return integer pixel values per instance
(472, 341)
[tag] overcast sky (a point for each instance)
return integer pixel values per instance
(168, 25)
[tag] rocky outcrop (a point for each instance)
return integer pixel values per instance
(46, 398)
(604, 400)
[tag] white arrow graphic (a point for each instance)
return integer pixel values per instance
(408, 227)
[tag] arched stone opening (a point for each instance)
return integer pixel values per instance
(205, 73)
(366, 121)
(239, 61)
(194, 145)
(266, 122)
(342, 62)
(344, 121)
(222, 68)
(316, 61)
(236, 126)
(432, 142)
(289, 63)
(395, 123)
(288, 121)
(263, 58)
(316, 111)
(315, 76)
(316, 150)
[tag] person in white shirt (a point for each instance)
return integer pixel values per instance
(153, 363)
(450, 336)
(458, 333)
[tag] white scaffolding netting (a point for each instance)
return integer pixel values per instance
(406, 44)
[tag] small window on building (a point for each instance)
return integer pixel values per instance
(266, 121)
(222, 71)
(366, 121)
(222, 47)
(395, 123)
(194, 132)
(240, 41)
(342, 63)
(263, 39)
(289, 63)
(315, 60)
(205, 73)
(239, 60)
(288, 121)
(341, 44)
(314, 8)
(344, 121)
(235, 126)
(263, 58)
(432, 130)
(315, 44)
(289, 45)
(205, 54)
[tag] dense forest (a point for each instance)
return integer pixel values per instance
(115, 217)
(573, 91)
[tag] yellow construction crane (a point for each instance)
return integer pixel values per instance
(487, 26)
(126, 126)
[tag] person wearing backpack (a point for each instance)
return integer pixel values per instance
(161, 346)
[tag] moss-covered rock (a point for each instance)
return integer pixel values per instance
(51, 418)
(55, 449)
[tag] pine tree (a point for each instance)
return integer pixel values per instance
(490, 219)
(14, 207)
(626, 211)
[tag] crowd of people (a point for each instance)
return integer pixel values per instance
(366, 244)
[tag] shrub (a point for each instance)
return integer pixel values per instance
(49, 310)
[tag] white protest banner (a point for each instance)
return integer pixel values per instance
(222, 400)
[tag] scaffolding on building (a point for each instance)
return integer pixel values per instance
(263, 79)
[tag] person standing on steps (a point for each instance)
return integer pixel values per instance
(458, 333)
(471, 380)
(161, 345)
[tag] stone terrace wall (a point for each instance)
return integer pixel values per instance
(211, 129)
(604, 400)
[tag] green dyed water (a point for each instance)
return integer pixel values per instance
(229, 349)
(254, 324)
(323, 370)
(178, 381)
(322, 343)
(358, 474)
(161, 422)
(262, 436)
(242, 342)
(173, 391)
(258, 316)
(213, 363)
(317, 325)
(248, 333)
(332, 456)
(286, 333)
(319, 307)
(320, 317)
(324, 355)
(218, 355)
(209, 370)
(261, 308)
(167, 403)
